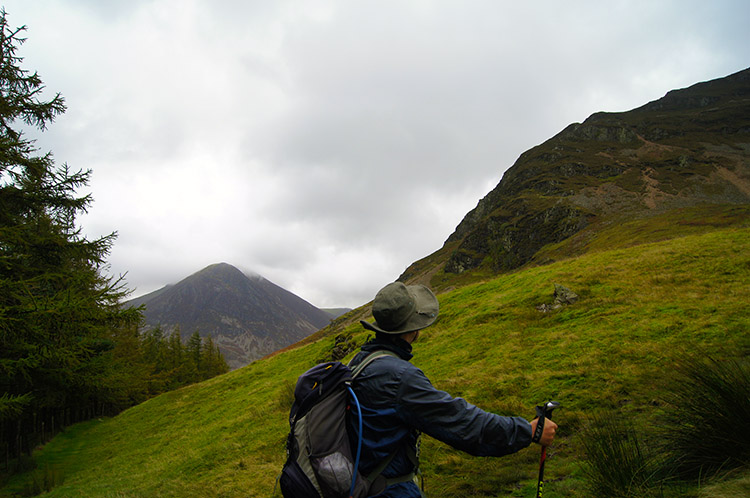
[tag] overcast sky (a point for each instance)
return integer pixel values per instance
(327, 145)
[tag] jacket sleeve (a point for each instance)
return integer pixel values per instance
(456, 422)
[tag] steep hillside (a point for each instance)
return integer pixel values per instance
(611, 352)
(247, 317)
(689, 148)
(644, 214)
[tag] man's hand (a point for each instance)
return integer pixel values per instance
(548, 434)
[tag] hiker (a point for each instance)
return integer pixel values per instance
(398, 401)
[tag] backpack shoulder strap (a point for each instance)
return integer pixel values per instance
(378, 482)
(369, 359)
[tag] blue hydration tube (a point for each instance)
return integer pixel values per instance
(359, 442)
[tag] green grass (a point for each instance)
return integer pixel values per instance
(631, 231)
(639, 308)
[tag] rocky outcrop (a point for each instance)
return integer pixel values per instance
(507, 242)
(562, 297)
(690, 147)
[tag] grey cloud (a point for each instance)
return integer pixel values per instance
(327, 145)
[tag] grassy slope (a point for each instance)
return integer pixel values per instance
(639, 306)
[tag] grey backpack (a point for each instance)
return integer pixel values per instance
(320, 460)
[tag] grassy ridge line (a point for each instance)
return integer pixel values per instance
(225, 437)
(628, 231)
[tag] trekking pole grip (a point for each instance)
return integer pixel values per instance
(543, 412)
(549, 407)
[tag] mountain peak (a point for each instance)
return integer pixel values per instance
(246, 317)
(220, 267)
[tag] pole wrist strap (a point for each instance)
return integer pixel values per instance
(540, 413)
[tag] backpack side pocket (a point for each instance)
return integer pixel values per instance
(295, 484)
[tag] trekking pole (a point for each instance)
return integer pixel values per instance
(543, 412)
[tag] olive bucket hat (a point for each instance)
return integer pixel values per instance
(400, 308)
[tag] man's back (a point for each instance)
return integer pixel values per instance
(398, 402)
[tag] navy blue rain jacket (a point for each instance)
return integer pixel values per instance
(398, 400)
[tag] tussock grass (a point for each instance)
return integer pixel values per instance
(698, 436)
(619, 463)
(706, 430)
(638, 307)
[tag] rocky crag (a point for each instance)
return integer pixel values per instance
(689, 148)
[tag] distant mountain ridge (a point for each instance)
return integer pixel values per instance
(689, 148)
(247, 316)
(336, 312)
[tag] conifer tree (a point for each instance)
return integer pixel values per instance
(212, 361)
(67, 349)
(175, 360)
(154, 351)
(56, 308)
(127, 380)
(193, 353)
